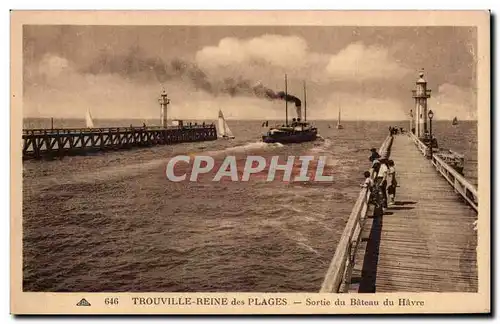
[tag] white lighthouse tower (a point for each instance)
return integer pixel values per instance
(421, 94)
(164, 101)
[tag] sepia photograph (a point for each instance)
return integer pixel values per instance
(182, 157)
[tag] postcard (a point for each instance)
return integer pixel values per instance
(250, 162)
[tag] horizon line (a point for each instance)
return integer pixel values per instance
(238, 119)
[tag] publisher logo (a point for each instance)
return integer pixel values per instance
(83, 302)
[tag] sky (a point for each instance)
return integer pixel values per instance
(368, 72)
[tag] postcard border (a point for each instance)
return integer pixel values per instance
(65, 303)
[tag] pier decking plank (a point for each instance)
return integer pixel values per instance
(426, 241)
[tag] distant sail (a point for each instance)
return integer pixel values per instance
(339, 125)
(455, 121)
(88, 119)
(223, 128)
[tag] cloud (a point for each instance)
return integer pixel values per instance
(266, 58)
(52, 66)
(269, 56)
(360, 62)
(281, 51)
(453, 101)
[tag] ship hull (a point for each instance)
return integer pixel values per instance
(297, 137)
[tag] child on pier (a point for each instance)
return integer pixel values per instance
(368, 181)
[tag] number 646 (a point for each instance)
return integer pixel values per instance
(111, 301)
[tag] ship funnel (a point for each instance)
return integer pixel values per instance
(298, 110)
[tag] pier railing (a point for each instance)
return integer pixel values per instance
(455, 179)
(338, 276)
(424, 149)
(44, 131)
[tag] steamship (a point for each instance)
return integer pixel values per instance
(295, 132)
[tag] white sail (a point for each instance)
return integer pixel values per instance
(223, 128)
(88, 119)
(339, 125)
(228, 131)
(220, 125)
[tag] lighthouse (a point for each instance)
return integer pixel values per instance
(164, 101)
(420, 94)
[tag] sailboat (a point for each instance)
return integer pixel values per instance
(455, 121)
(88, 119)
(223, 129)
(339, 125)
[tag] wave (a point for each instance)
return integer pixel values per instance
(325, 145)
(252, 146)
(103, 174)
(116, 172)
(308, 247)
(299, 239)
(325, 150)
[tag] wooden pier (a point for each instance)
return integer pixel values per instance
(426, 242)
(39, 143)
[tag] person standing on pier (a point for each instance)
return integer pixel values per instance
(391, 182)
(377, 192)
(374, 155)
(381, 178)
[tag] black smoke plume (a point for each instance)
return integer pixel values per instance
(135, 65)
(261, 91)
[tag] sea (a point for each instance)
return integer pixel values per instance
(113, 222)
